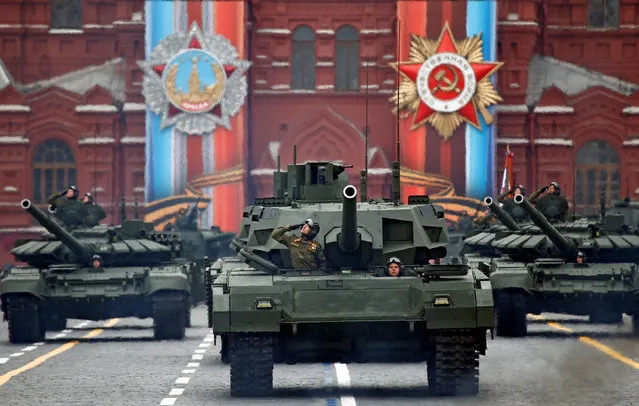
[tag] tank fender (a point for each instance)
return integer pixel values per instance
(167, 278)
(23, 281)
(484, 300)
(512, 276)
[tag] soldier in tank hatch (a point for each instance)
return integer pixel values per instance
(93, 213)
(394, 267)
(581, 258)
(552, 204)
(96, 262)
(513, 209)
(305, 252)
(69, 195)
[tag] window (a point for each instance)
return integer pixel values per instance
(53, 170)
(66, 14)
(347, 59)
(303, 58)
(596, 171)
(603, 13)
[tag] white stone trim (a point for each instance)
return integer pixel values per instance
(324, 31)
(387, 91)
(134, 107)
(554, 141)
(370, 87)
(369, 63)
(261, 57)
(279, 64)
(261, 82)
(98, 189)
(518, 23)
(553, 110)
(97, 26)
(14, 108)
(280, 87)
(325, 87)
(65, 31)
(132, 22)
(631, 110)
(631, 143)
(40, 26)
(325, 64)
(389, 57)
(10, 189)
(133, 140)
(138, 190)
(21, 229)
(96, 140)
(269, 171)
(292, 91)
(512, 17)
(389, 82)
(512, 141)
(588, 28)
(280, 31)
(511, 108)
(13, 139)
(96, 108)
(375, 31)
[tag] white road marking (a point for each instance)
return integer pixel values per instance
(168, 401)
(4, 360)
(208, 339)
(176, 391)
(187, 371)
(199, 351)
(193, 365)
(16, 354)
(29, 348)
(197, 357)
(59, 335)
(183, 380)
(40, 343)
(205, 345)
(67, 331)
(344, 381)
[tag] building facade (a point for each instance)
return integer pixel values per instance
(71, 108)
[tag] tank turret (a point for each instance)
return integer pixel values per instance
(566, 247)
(501, 214)
(348, 236)
(78, 249)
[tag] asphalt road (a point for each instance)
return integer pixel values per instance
(568, 362)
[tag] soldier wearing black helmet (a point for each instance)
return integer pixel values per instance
(513, 209)
(68, 195)
(552, 204)
(93, 213)
(394, 267)
(305, 252)
(96, 262)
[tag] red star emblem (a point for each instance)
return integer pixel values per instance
(446, 44)
(193, 44)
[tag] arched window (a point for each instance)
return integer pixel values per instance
(303, 58)
(53, 169)
(66, 14)
(347, 59)
(596, 171)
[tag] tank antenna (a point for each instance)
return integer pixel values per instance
(294, 174)
(95, 176)
(396, 186)
(278, 163)
(363, 189)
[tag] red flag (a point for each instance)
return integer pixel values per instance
(507, 181)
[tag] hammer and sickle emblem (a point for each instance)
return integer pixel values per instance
(445, 84)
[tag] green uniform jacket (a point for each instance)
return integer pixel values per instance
(305, 253)
(93, 215)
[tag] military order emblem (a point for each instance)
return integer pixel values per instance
(195, 81)
(446, 82)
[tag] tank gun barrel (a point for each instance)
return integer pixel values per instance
(78, 249)
(191, 214)
(348, 237)
(501, 214)
(566, 246)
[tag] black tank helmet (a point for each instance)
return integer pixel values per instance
(90, 197)
(96, 258)
(522, 189)
(315, 227)
(76, 192)
(394, 260)
(557, 187)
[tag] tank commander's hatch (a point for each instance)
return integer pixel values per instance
(316, 181)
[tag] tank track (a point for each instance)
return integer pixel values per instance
(251, 359)
(25, 319)
(56, 324)
(603, 317)
(208, 297)
(169, 315)
(453, 368)
(510, 314)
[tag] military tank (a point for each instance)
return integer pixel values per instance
(267, 312)
(581, 267)
(199, 243)
(139, 273)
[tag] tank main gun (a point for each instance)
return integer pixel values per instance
(501, 214)
(348, 239)
(566, 247)
(75, 246)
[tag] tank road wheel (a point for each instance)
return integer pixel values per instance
(251, 357)
(604, 317)
(25, 321)
(510, 314)
(187, 316)
(224, 350)
(453, 367)
(635, 323)
(169, 316)
(56, 324)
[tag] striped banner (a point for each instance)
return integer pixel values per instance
(480, 144)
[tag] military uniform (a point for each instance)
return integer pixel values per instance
(511, 208)
(68, 210)
(553, 206)
(305, 253)
(91, 212)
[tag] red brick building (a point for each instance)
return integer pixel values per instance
(71, 109)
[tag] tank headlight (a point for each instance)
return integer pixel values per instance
(440, 301)
(263, 303)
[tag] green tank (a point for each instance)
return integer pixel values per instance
(266, 312)
(198, 244)
(138, 273)
(583, 267)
